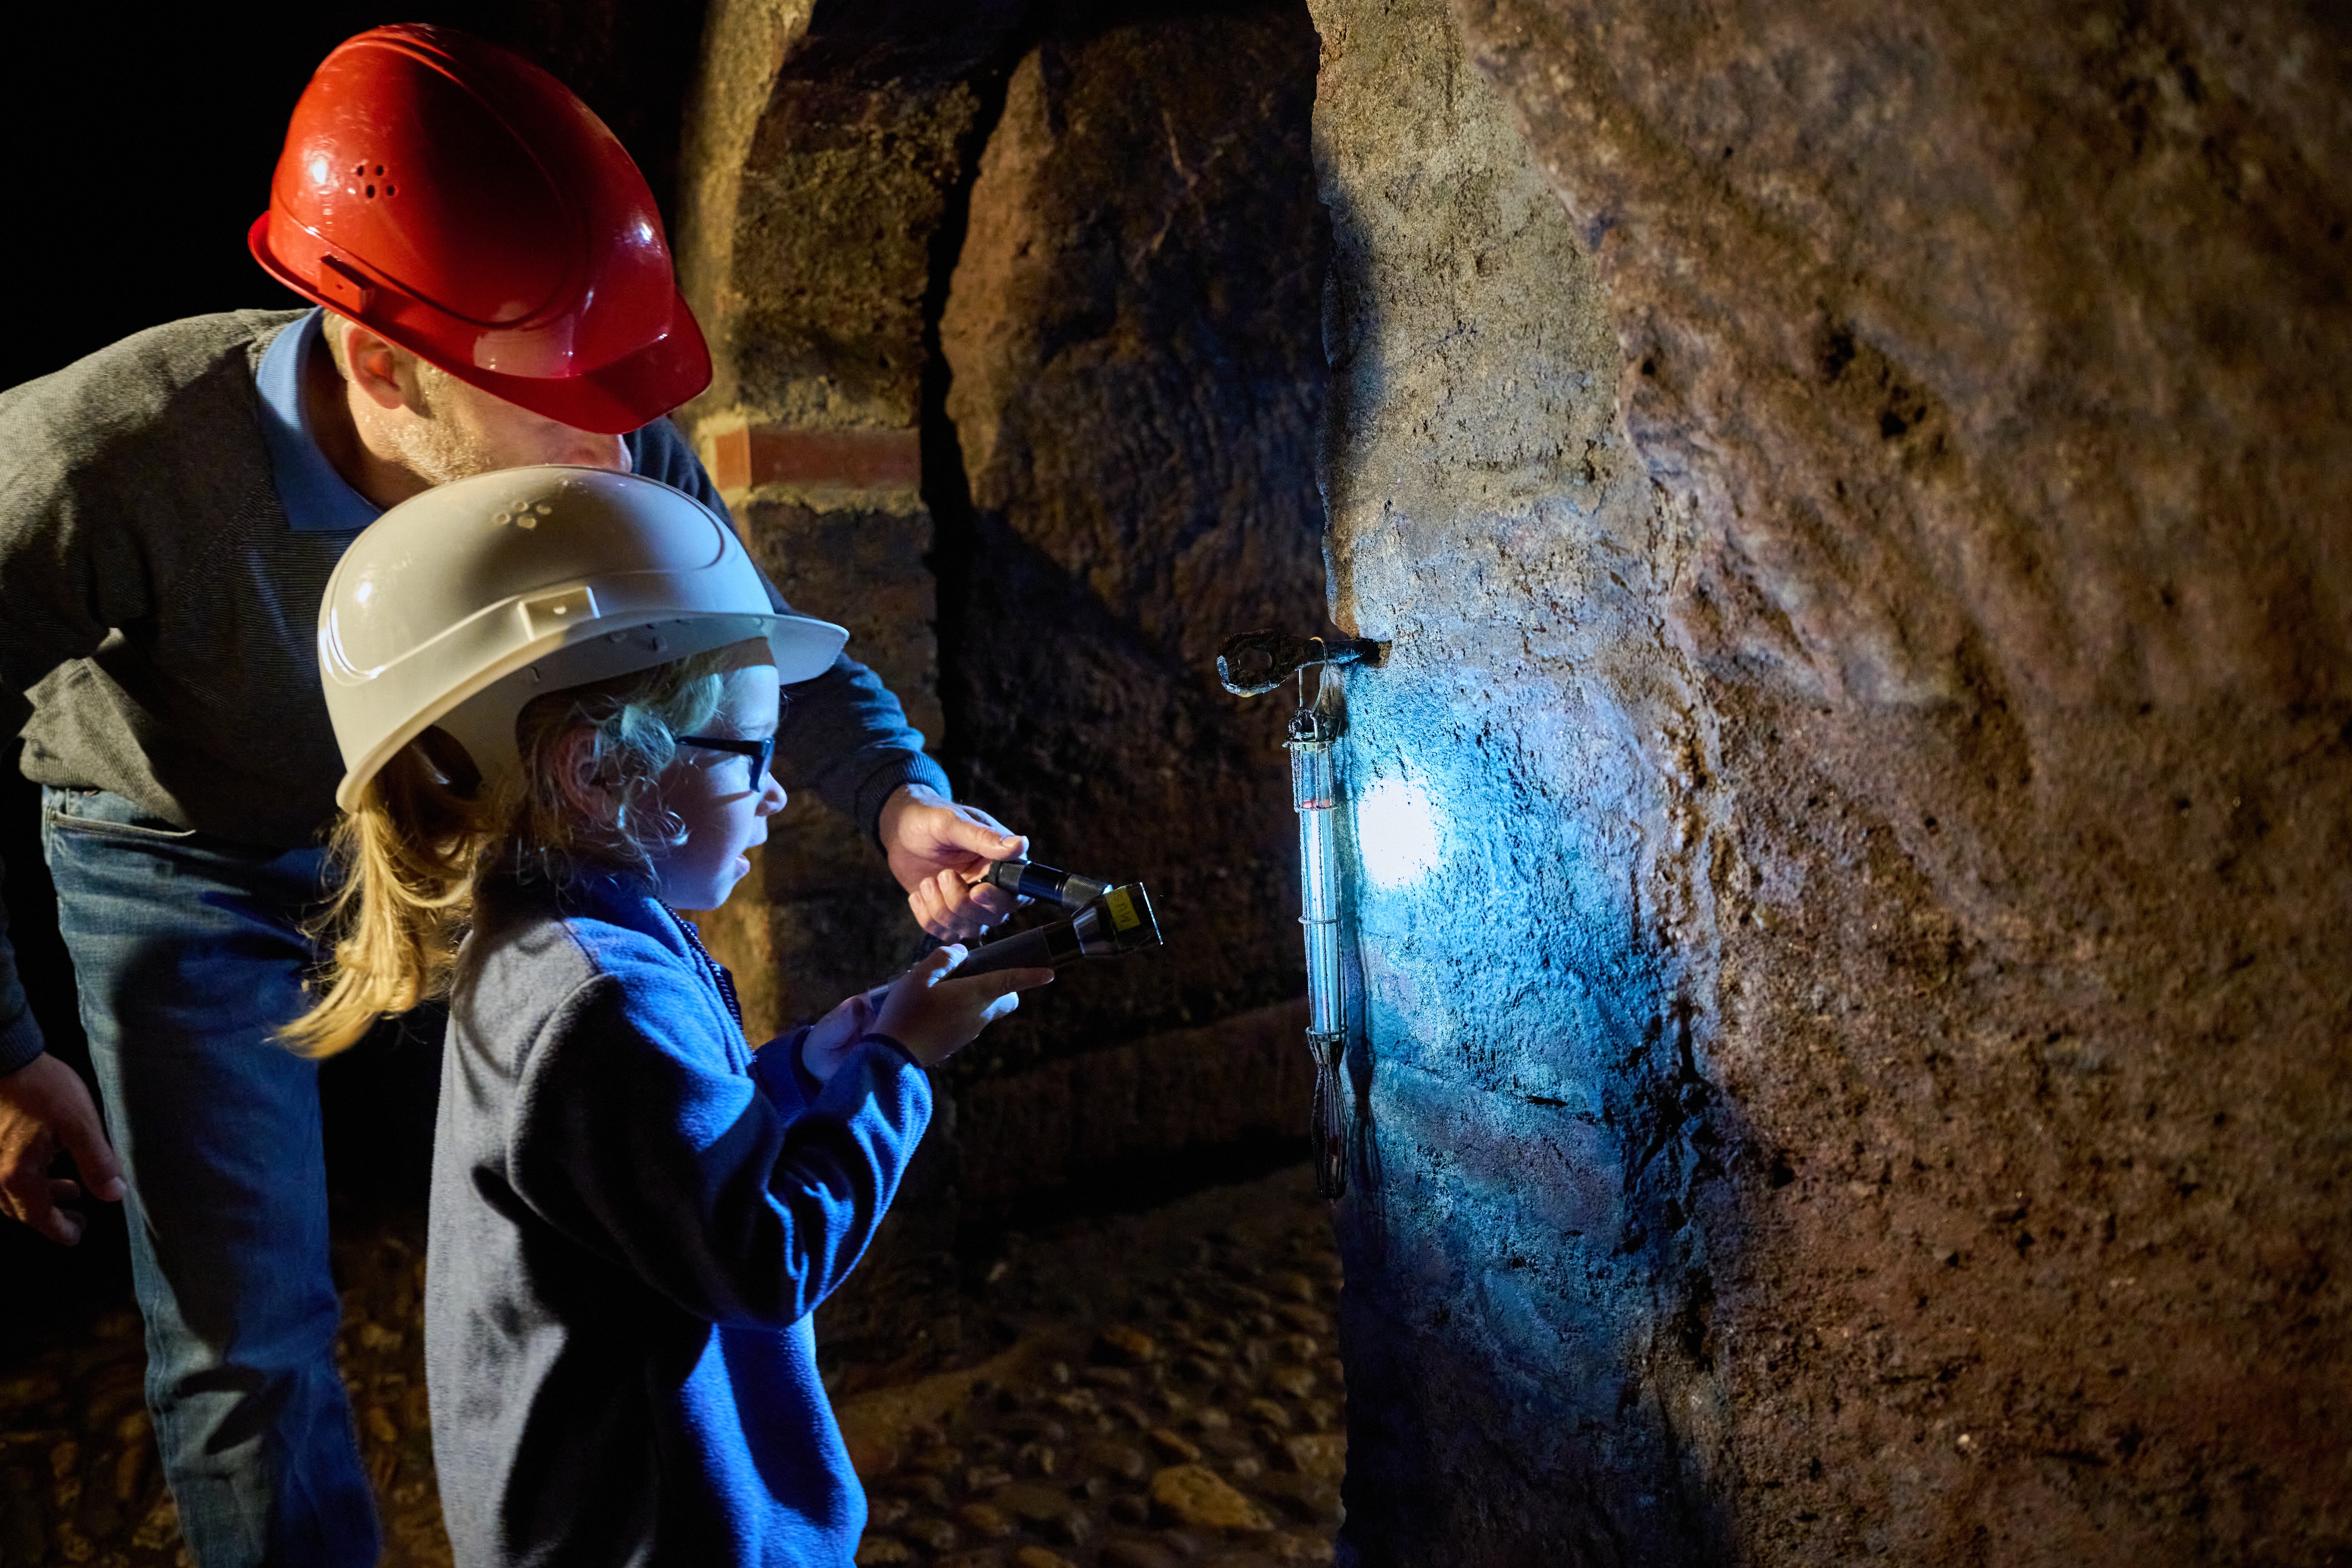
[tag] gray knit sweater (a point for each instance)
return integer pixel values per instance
(160, 614)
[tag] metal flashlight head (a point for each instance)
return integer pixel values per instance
(1120, 922)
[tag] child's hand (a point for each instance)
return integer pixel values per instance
(934, 1015)
(832, 1037)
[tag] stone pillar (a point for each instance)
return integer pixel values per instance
(1039, 423)
(1136, 385)
(817, 175)
(825, 146)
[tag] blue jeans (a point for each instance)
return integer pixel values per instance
(188, 955)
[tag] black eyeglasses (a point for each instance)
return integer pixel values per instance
(762, 751)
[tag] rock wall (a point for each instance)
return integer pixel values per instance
(1850, 1002)
(1137, 383)
(1525, 1325)
(1015, 317)
(817, 175)
(1848, 841)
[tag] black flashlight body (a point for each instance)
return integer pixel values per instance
(1030, 880)
(1119, 922)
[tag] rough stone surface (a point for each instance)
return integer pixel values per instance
(1101, 331)
(1010, 1445)
(1193, 1494)
(817, 171)
(1517, 1228)
(1244, 1079)
(1856, 493)
(1130, 329)
(1038, 1451)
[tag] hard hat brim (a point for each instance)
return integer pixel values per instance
(461, 605)
(613, 399)
(803, 646)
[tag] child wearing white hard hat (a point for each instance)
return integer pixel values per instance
(556, 690)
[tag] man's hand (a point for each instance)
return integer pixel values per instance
(44, 1107)
(935, 847)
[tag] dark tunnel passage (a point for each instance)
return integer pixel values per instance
(1842, 854)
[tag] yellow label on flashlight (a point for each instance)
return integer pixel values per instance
(1122, 909)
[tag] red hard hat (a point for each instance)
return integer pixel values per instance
(460, 201)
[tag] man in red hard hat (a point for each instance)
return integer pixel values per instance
(493, 290)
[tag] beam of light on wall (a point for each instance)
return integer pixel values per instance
(1396, 832)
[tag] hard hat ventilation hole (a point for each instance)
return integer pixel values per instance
(503, 519)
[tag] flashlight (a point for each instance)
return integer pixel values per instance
(1027, 879)
(1109, 921)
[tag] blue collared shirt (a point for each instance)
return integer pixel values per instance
(317, 499)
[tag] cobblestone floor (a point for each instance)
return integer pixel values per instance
(1141, 1391)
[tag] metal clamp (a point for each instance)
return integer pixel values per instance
(1253, 663)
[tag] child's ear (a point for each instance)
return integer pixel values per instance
(576, 784)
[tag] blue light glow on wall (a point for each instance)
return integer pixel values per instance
(1396, 833)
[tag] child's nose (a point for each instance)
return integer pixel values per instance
(771, 796)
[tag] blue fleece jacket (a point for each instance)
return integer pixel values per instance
(633, 1215)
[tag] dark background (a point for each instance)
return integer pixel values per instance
(138, 146)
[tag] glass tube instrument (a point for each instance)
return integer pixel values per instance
(1314, 791)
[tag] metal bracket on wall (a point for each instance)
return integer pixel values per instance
(1260, 661)
(1254, 663)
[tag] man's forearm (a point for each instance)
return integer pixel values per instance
(845, 737)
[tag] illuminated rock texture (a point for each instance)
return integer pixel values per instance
(1851, 833)
(1528, 1252)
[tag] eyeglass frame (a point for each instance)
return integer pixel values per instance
(762, 751)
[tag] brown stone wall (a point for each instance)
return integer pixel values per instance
(1019, 378)
(1848, 977)
(1137, 382)
(1524, 1322)
(1159, 1101)
(1931, 795)
(817, 178)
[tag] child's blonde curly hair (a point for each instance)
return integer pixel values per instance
(426, 833)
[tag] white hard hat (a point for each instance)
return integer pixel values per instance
(459, 606)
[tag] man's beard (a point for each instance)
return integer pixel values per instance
(434, 446)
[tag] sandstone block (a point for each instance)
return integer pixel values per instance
(1194, 1496)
